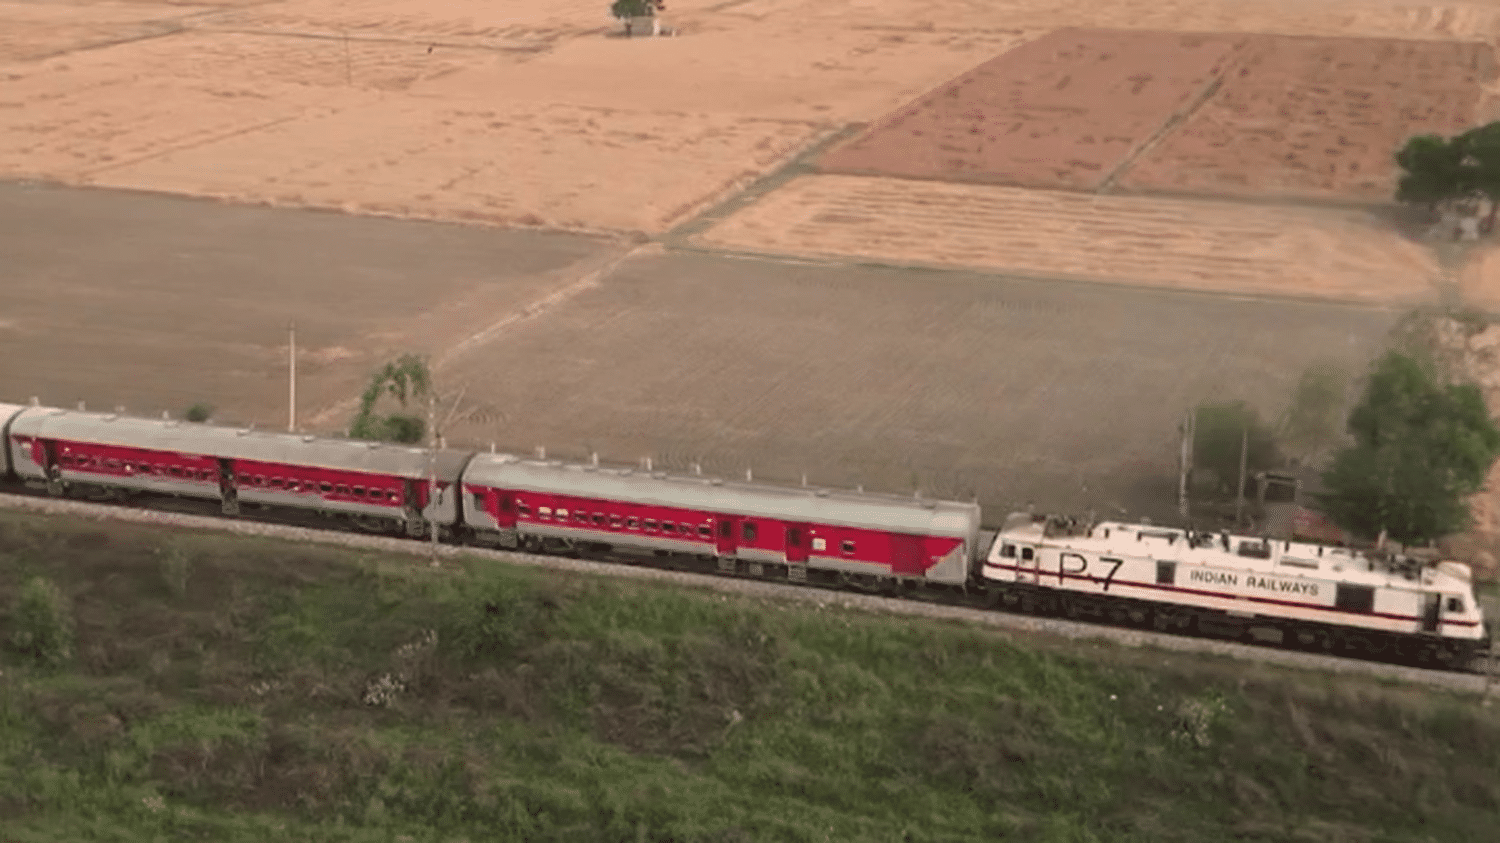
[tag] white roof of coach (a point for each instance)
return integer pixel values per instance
(8, 410)
(791, 503)
(235, 443)
(1282, 557)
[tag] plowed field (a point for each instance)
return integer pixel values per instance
(1188, 244)
(1318, 118)
(1063, 111)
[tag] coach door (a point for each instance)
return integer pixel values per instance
(1026, 562)
(726, 528)
(796, 542)
(1432, 611)
(505, 515)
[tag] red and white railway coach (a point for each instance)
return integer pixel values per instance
(384, 483)
(513, 501)
(1241, 578)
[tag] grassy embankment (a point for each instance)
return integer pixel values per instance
(250, 690)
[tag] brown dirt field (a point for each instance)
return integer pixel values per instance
(1062, 111)
(1187, 244)
(1314, 118)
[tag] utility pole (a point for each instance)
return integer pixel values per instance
(432, 493)
(1185, 472)
(1239, 498)
(291, 378)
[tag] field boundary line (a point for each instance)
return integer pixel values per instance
(1175, 119)
(796, 165)
(827, 259)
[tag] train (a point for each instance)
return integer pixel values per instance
(1313, 596)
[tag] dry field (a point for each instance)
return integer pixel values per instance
(1063, 111)
(1316, 118)
(1221, 247)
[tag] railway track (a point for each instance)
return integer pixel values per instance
(1480, 680)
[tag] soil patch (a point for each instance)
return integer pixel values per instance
(1319, 118)
(1063, 111)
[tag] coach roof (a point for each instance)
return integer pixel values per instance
(235, 443)
(798, 504)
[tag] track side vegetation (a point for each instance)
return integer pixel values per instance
(233, 689)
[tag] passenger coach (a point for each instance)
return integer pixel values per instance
(862, 538)
(379, 486)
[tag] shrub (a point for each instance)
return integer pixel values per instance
(199, 412)
(42, 623)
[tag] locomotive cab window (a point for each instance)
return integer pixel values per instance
(1008, 551)
(1455, 604)
(748, 531)
(1028, 554)
(479, 500)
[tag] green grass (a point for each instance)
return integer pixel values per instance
(228, 689)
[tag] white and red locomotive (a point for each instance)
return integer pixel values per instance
(1311, 594)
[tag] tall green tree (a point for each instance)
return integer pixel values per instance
(1479, 163)
(404, 379)
(1420, 448)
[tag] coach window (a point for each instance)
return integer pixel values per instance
(325, 487)
(544, 512)
(562, 515)
(176, 470)
(1166, 572)
(244, 479)
(581, 517)
(278, 483)
(598, 519)
(704, 531)
(748, 531)
(1027, 554)
(633, 523)
(614, 522)
(260, 480)
(115, 464)
(1456, 605)
(668, 527)
(523, 510)
(341, 489)
(205, 474)
(847, 547)
(376, 494)
(650, 525)
(359, 491)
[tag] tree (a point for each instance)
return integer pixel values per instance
(1420, 448)
(626, 9)
(1434, 171)
(406, 378)
(1220, 432)
(1479, 162)
(1313, 419)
